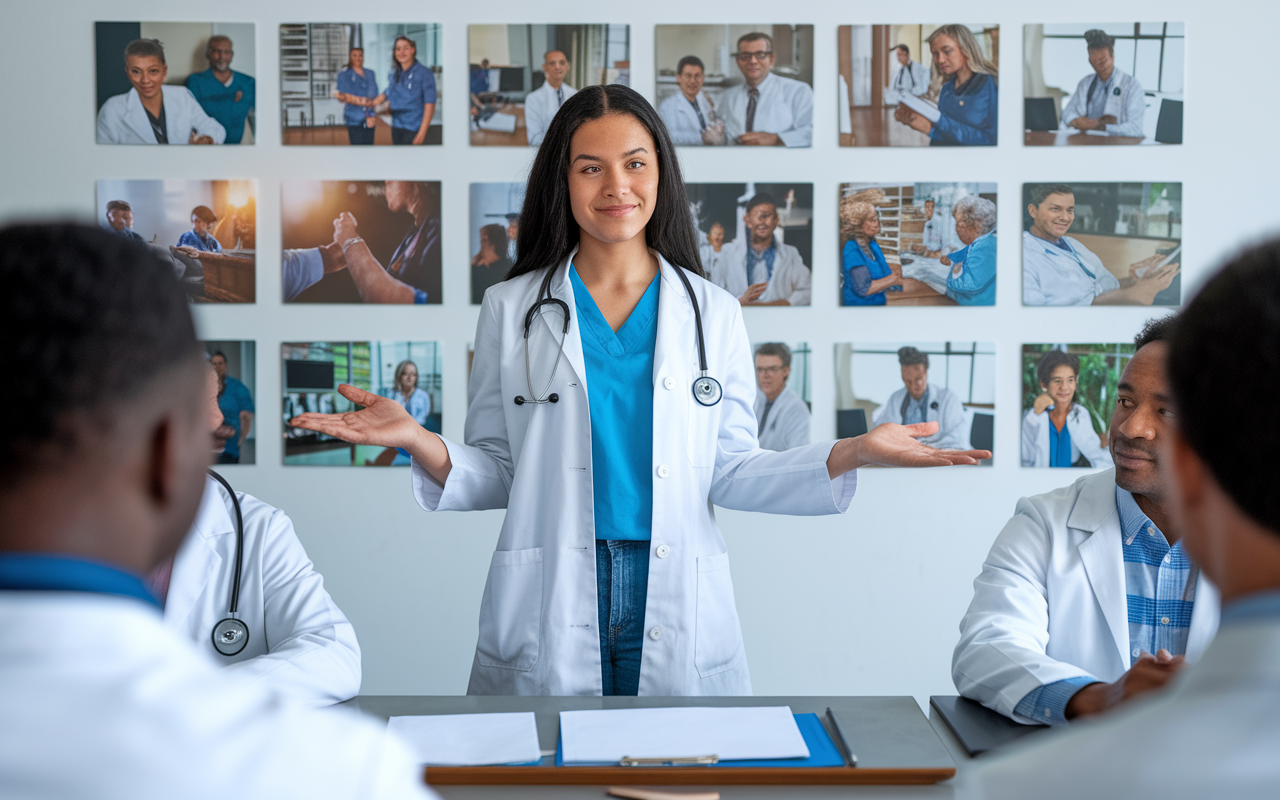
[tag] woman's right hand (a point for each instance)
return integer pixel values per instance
(382, 421)
(1042, 403)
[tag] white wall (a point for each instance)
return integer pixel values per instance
(866, 603)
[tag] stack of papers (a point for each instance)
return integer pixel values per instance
(606, 737)
(470, 740)
(922, 107)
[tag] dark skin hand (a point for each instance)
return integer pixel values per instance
(1149, 674)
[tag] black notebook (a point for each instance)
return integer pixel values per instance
(978, 728)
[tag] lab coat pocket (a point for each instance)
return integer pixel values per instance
(511, 610)
(717, 645)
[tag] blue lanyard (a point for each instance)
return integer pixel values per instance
(57, 573)
(1076, 256)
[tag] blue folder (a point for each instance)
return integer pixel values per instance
(822, 751)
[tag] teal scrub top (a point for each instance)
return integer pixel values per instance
(620, 397)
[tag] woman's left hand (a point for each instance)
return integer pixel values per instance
(891, 445)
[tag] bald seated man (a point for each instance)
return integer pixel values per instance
(102, 466)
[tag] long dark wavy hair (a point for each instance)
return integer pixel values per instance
(548, 231)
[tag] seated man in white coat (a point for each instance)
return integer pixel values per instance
(1216, 731)
(1057, 270)
(300, 644)
(782, 416)
(543, 103)
(758, 269)
(768, 109)
(1087, 597)
(1108, 100)
(102, 466)
(689, 113)
(921, 401)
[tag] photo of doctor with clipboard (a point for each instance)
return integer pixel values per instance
(610, 408)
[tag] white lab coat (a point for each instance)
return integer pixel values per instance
(1214, 733)
(1126, 102)
(785, 107)
(101, 700)
(940, 233)
(682, 122)
(1084, 439)
(787, 425)
(913, 79)
(539, 630)
(791, 279)
(710, 258)
(540, 106)
(1051, 601)
(123, 120)
(300, 643)
(1052, 276)
(943, 406)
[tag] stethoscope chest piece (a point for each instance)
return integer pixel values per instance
(230, 636)
(707, 391)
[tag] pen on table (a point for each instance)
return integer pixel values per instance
(844, 743)
(632, 793)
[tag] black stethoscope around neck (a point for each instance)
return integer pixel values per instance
(231, 634)
(706, 389)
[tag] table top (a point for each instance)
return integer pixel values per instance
(878, 738)
(917, 293)
(1064, 138)
(876, 127)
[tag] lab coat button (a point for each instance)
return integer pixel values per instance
(655, 634)
(663, 551)
(669, 382)
(663, 470)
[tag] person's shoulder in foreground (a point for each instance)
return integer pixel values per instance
(102, 468)
(1216, 731)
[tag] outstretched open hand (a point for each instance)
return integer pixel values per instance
(891, 445)
(381, 422)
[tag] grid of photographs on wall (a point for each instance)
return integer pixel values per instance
(406, 372)
(734, 84)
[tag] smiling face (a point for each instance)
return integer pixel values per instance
(947, 56)
(762, 221)
(916, 378)
(690, 79)
(220, 53)
(147, 75)
(405, 53)
(753, 61)
(1061, 386)
(613, 178)
(1053, 218)
(715, 236)
(1102, 60)
(408, 379)
(1144, 407)
(356, 58)
(555, 67)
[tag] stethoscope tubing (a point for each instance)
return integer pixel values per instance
(235, 502)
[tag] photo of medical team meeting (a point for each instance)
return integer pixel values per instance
(639, 537)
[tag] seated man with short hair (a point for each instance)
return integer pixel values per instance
(1087, 597)
(1216, 731)
(102, 466)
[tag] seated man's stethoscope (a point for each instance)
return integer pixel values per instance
(706, 390)
(231, 635)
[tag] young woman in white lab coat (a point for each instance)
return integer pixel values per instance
(610, 485)
(1056, 416)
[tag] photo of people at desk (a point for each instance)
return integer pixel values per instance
(175, 82)
(361, 242)
(1124, 247)
(749, 85)
(406, 372)
(1067, 395)
(950, 383)
(235, 366)
(1103, 84)
(360, 83)
(520, 75)
(756, 239)
(918, 85)
(495, 224)
(917, 244)
(206, 229)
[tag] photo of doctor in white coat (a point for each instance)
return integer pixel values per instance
(1108, 101)
(921, 401)
(624, 270)
(782, 414)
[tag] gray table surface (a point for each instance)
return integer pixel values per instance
(546, 708)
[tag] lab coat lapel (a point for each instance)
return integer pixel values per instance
(562, 289)
(674, 313)
(136, 117)
(1102, 554)
(197, 560)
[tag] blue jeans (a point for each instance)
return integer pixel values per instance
(622, 584)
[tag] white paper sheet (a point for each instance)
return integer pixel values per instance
(929, 271)
(466, 740)
(607, 736)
